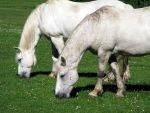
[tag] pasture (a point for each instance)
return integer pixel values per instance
(36, 94)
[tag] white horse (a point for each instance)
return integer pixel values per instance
(109, 30)
(56, 19)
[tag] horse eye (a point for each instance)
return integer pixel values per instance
(19, 60)
(62, 76)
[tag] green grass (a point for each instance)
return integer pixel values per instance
(36, 95)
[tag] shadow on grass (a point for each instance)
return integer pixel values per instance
(46, 73)
(109, 87)
(112, 88)
(40, 73)
(106, 87)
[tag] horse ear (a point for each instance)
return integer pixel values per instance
(18, 54)
(54, 59)
(63, 61)
(34, 60)
(17, 49)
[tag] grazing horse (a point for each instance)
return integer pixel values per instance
(55, 19)
(109, 30)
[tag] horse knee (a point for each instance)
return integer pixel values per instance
(101, 74)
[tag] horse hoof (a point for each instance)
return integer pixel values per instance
(93, 94)
(52, 75)
(120, 95)
(126, 78)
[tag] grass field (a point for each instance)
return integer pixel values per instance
(36, 95)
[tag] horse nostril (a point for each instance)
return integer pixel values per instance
(57, 95)
(17, 75)
(20, 76)
(61, 95)
(23, 74)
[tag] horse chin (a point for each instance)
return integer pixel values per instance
(64, 94)
(24, 74)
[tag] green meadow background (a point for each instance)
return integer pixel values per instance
(36, 94)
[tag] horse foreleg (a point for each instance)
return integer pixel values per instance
(120, 84)
(57, 46)
(110, 76)
(126, 71)
(103, 60)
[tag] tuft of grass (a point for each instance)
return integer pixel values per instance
(36, 94)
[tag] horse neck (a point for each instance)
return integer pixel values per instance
(31, 33)
(73, 51)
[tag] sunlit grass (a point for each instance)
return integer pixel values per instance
(36, 95)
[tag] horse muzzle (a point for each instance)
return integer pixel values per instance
(62, 95)
(24, 75)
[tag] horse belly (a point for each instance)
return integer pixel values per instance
(133, 47)
(48, 28)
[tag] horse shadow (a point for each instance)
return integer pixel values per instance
(46, 73)
(106, 87)
(111, 88)
(40, 73)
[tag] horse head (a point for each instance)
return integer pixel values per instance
(66, 78)
(25, 60)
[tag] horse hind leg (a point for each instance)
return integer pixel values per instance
(126, 71)
(120, 83)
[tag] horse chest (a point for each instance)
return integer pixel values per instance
(95, 47)
(47, 27)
